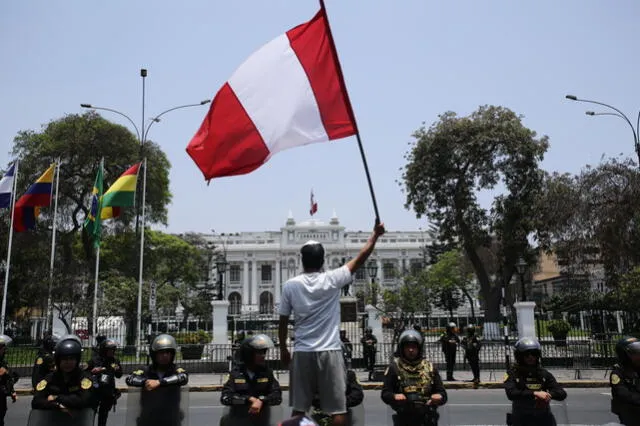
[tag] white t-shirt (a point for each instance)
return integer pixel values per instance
(315, 301)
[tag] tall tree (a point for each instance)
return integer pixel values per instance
(450, 282)
(456, 158)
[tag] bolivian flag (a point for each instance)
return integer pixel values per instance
(121, 194)
(38, 195)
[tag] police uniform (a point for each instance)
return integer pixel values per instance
(520, 383)
(160, 408)
(418, 380)
(471, 344)
(106, 394)
(625, 383)
(369, 343)
(7, 380)
(450, 342)
(71, 390)
(44, 363)
(354, 394)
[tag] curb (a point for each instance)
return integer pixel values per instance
(569, 384)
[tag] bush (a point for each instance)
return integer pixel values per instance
(559, 328)
(193, 338)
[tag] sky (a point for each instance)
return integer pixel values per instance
(405, 62)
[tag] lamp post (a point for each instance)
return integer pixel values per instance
(221, 266)
(142, 134)
(521, 267)
(617, 113)
(372, 270)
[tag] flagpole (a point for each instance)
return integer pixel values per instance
(139, 319)
(8, 268)
(350, 109)
(53, 249)
(94, 327)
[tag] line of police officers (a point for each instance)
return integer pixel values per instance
(412, 385)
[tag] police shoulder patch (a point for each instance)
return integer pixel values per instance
(39, 361)
(615, 379)
(85, 384)
(263, 380)
(505, 377)
(226, 378)
(240, 381)
(41, 385)
(180, 370)
(137, 372)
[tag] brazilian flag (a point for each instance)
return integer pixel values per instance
(93, 224)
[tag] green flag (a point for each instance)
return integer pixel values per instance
(92, 223)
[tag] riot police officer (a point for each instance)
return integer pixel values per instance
(450, 341)
(68, 387)
(625, 382)
(7, 378)
(251, 384)
(369, 343)
(412, 385)
(44, 363)
(159, 408)
(105, 369)
(531, 387)
(471, 345)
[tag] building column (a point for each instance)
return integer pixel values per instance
(278, 283)
(380, 278)
(245, 283)
(254, 282)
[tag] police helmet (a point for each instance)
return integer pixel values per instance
(68, 346)
(5, 340)
(312, 254)
(626, 347)
(49, 342)
(163, 342)
(527, 345)
(259, 342)
(451, 326)
(368, 330)
(106, 345)
(410, 336)
(471, 329)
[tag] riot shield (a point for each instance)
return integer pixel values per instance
(163, 406)
(421, 416)
(270, 415)
(61, 418)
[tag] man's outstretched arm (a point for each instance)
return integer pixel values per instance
(366, 251)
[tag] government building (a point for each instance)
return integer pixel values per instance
(258, 263)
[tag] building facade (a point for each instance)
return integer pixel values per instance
(258, 263)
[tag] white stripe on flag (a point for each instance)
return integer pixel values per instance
(275, 92)
(6, 188)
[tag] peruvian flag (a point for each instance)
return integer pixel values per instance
(289, 93)
(314, 205)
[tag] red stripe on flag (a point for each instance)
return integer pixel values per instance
(133, 170)
(34, 200)
(227, 142)
(314, 47)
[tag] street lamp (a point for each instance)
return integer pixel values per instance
(617, 113)
(521, 267)
(372, 270)
(221, 266)
(142, 134)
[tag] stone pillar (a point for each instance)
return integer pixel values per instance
(526, 319)
(245, 283)
(619, 322)
(220, 310)
(278, 280)
(374, 321)
(254, 283)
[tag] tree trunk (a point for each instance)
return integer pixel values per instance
(470, 300)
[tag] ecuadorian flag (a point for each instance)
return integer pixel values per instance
(121, 194)
(28, 206)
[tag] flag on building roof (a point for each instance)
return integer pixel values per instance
(38, 195)
(6, 187)
(289, 93)
(314, 205)
(121, 194)
(93, 224)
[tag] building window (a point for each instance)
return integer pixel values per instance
(388, 271)
(234, 273)
(416, 266)
(235, 303)
(265, 273)
(266, 302)
(361, 274)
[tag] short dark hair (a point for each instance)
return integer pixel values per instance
(312, 255)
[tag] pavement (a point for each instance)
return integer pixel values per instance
(465, 407)
(213, 382)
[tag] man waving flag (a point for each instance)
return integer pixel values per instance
(287, 94)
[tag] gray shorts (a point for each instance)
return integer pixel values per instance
(320, 374)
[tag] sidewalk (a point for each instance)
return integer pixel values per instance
(490, 380)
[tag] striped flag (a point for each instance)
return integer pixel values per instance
(121, 194)
(289, 93)
(38, 195)
(92, 223)
(6, 187)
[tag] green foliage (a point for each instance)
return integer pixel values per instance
(559, 328)
(458, 157)
(199, 337)
(448, 281)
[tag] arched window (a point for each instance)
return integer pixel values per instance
(235, 303)
(266, 302)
